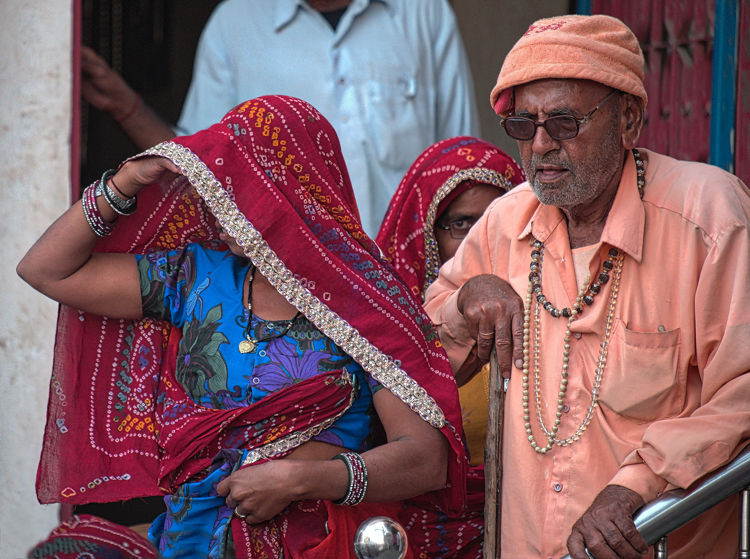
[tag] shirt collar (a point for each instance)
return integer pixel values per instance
(625, 223)
(286, 10)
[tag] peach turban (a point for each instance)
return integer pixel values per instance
(597, 48)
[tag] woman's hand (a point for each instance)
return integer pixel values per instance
(139, 173)
(414, 461)
(259, 492)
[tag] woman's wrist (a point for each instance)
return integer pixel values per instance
(315, 479)
(123, 179)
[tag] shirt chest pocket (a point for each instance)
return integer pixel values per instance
(398, 118)
(643, 380)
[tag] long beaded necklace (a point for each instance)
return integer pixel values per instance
(534, 291)
(250, 343)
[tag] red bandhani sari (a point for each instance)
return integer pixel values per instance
(119, 426)
(443, 172)
(93, 538)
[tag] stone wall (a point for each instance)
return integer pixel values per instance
(35, 86)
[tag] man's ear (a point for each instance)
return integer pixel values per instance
(631, 120)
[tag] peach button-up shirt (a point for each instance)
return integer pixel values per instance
(675, 397)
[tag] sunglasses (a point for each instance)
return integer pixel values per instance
(560, 127)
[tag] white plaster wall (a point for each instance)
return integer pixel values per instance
(35, 96)
(489, 29)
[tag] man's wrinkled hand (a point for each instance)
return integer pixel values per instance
(607, 527)
(494, 316)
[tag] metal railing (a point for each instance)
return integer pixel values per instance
(384, 538)
(676, 508)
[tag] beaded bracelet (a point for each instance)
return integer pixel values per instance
(355, 466)
(91, 211)
(120, 205)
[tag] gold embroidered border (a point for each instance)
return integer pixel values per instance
(270, 265)
(432, 258)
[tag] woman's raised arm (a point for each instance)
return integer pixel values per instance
(61, 264)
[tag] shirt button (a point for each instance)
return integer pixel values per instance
(566, 408)
(342, 81)
(558, 487)
(577, 335)
(344, 118)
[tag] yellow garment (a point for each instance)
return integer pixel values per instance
(474, 398)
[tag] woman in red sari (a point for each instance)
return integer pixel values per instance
(237, 342)
(443, 194)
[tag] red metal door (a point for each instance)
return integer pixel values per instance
(742, 137)
(677, 41)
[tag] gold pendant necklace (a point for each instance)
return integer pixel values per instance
(277, 328)
(249, 344)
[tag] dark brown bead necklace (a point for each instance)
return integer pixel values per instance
(535, 277)
(537, 256)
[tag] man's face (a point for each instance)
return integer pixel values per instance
(575, 172)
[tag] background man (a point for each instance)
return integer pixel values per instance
(391, 76)
(632, 342)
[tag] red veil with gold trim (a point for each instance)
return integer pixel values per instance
(273, 175)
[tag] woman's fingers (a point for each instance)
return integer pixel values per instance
(136, 174)
(223, 487)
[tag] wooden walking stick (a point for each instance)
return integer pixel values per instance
(493, 465)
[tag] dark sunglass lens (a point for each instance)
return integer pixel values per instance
(562, 127)
(520, 128)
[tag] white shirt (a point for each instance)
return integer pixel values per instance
(392, 79)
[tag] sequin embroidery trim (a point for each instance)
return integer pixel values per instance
(432, 258)
(270, 265)
(285, 444)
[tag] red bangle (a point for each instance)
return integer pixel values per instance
(132, 110)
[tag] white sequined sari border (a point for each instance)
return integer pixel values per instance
(372, 360)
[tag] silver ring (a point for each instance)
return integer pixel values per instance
(237, 513)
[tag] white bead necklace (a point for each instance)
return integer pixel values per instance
(531, 299)
(552, 438)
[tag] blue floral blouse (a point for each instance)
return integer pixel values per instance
(201, 291)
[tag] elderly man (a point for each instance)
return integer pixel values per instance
(631, 339)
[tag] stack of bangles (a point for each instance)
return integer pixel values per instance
(355, 466)
(116, 200)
